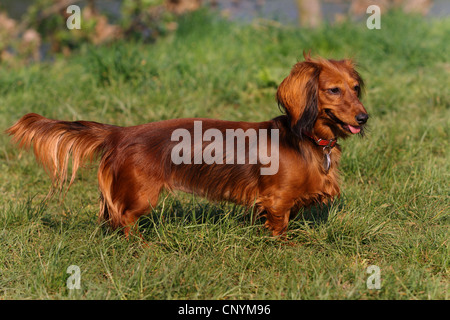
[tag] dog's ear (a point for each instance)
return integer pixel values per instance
(297, 95)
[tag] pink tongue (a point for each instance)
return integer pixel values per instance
(354, 129)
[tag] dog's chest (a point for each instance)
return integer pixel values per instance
(321, 183)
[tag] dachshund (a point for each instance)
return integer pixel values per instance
(320, 100)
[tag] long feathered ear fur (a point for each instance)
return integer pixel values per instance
(297, 95)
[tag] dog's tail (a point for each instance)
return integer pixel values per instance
(55, 142)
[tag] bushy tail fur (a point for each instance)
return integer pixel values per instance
(55, 142)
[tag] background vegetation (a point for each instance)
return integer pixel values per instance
(394, 209)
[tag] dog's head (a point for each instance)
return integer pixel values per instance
(322, 97)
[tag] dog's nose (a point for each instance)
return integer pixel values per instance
(362, 118)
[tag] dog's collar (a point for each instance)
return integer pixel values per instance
(321, 142)
(327, 146)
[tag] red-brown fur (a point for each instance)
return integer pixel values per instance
(135, 164)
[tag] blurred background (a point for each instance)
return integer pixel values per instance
(33, 30)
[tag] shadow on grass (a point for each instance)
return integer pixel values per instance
(174, 213)
(195, 213)
(200, 212)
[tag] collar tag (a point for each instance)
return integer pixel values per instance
(326, 159)
(327, 146)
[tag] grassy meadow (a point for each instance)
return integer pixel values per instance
(395, 204)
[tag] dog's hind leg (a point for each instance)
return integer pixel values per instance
(138, 201)
(126, 196)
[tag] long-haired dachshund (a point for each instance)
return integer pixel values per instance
(320, 99)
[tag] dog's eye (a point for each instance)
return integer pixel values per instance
(357, 88)
(334, 90)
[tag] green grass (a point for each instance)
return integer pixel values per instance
(394, 209)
